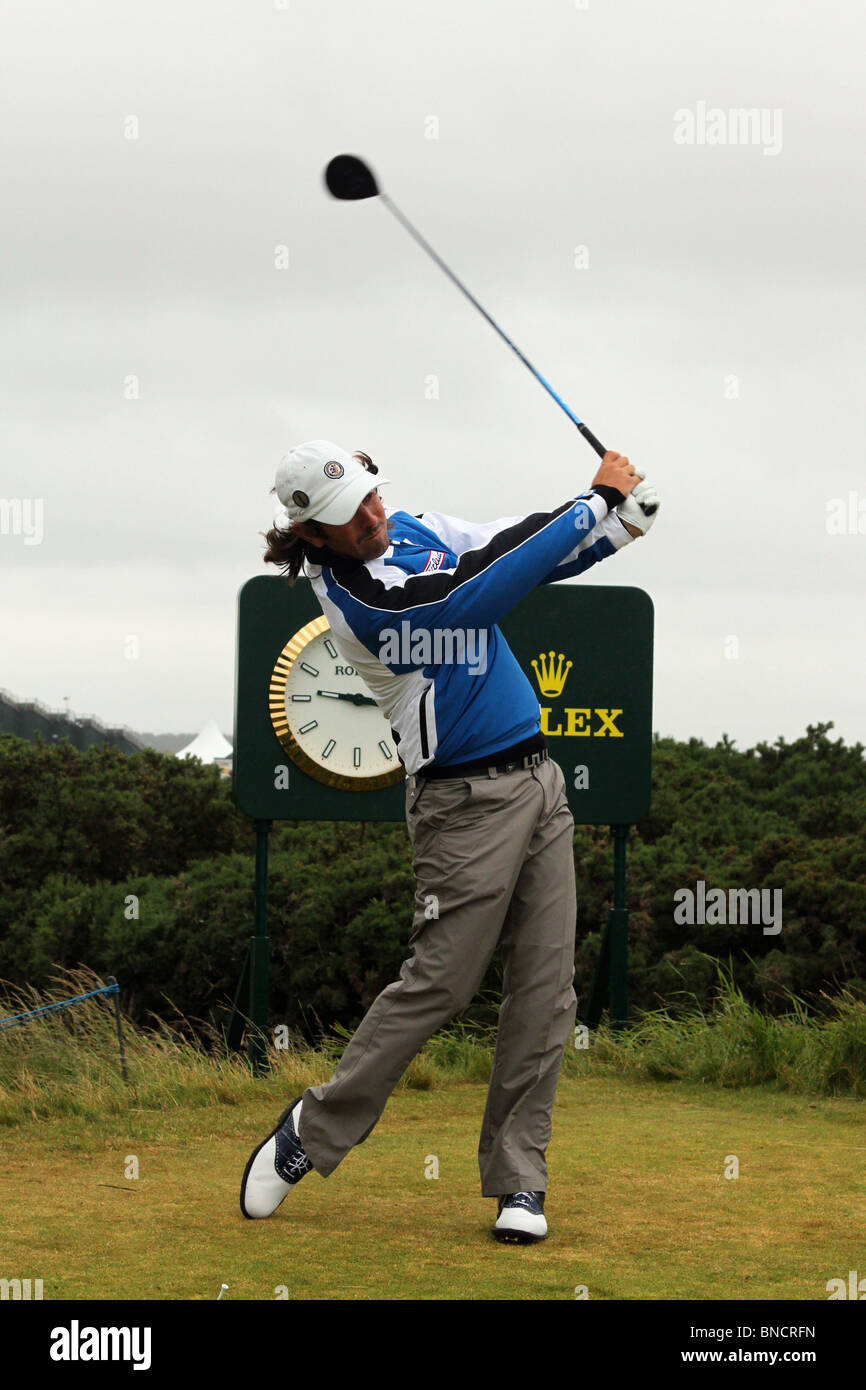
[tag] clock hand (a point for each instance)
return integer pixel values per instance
(357, 698)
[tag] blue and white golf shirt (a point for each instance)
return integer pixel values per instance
(419, 622)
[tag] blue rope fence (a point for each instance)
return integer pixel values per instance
(112, 989)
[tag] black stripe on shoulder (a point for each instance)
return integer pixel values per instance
(419, 589)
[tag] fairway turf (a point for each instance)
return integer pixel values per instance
(638, 1204)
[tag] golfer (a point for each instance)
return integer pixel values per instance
(486, 809)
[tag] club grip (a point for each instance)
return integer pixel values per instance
(591, 439)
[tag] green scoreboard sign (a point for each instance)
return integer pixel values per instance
(310, 743)
(588, 652)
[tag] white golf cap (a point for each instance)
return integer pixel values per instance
(319, 481)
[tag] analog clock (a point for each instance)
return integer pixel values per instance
(326, 719)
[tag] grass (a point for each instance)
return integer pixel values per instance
(737, 1045)
(67, 1063)
(645, 1127)
(639, 1206)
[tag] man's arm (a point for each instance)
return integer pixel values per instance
(614, 480)
(610, 535)
(631, 518)
(488, 579)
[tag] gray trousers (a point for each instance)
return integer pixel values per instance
(494, 865)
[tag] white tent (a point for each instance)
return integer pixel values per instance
(210, 746)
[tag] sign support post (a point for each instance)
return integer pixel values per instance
(618, 928)
(259, 955)
(610, 981)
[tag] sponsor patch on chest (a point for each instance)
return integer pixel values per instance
(435, 561)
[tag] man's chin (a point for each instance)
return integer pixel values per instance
(376, 545)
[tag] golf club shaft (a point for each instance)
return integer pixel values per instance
(425, 245)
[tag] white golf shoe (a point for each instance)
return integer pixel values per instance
(274, 1167)
(521, 1218)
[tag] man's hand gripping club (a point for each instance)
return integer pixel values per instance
(640, 508)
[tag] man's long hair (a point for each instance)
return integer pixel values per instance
(288, 549)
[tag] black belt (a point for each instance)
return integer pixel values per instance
(529, 753)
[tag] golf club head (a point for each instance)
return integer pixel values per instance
(348, 177)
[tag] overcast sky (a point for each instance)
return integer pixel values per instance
(159, 358)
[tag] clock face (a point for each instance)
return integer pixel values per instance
(325, 717)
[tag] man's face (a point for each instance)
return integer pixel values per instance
(365, 537)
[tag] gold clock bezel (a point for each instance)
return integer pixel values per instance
(277, 706)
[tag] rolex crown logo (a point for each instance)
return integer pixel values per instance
(551, 677)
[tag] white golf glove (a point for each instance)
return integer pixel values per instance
(641, 507)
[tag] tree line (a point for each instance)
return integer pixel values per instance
(141, 866)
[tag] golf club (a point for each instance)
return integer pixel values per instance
(348, 178)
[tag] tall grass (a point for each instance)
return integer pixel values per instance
(736, 1045)
(68, 1064)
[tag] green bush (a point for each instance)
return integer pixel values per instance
(82, 834)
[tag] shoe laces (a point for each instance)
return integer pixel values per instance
(296, 1166)
(519, 1199)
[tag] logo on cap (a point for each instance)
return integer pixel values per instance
(300, 499)
(333, 469)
